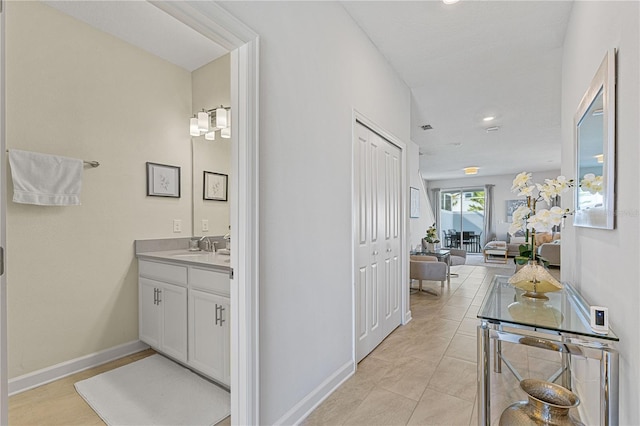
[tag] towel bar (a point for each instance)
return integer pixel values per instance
(90, 163)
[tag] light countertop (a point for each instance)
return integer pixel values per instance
(196, 258)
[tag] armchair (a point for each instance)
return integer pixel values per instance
(457, 257)
(550, 252)
(427, 268)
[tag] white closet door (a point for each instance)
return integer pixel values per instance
(377, 281)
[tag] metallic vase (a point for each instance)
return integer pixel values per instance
(548, 404)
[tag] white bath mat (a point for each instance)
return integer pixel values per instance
(154, 391)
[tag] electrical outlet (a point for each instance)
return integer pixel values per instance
(205, 225)
(177, 225)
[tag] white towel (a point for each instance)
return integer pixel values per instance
(45, 180)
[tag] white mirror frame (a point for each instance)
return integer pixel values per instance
(605, 81)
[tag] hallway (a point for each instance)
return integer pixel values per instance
(424, 373)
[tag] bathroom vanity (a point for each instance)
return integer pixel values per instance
(184, 308)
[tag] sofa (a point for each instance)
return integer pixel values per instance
(513, 245)
(550, 252)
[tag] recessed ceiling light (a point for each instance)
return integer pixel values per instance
(489, 118)
(493, 129)
(470, 170)
(450, 1)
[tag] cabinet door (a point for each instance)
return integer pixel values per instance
(209, 343)
(148, 313)
(173, 301)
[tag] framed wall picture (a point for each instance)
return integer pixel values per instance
(414, 196)
(163, 180)
(215, 186)
(512, 206)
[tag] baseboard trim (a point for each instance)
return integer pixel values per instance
(64, 369)
(407, 318)
(309, 403)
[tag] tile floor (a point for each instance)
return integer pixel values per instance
(424, 373)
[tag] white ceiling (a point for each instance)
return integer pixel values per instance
(462, 62)
(142, 24)
(469, 60)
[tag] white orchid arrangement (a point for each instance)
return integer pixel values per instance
(591, 183)
(527, 217)
(432, 234)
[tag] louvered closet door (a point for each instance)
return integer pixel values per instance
(377, 281)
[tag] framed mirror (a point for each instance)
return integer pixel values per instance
(594, 126)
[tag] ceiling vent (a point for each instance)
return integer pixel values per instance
(426, 127)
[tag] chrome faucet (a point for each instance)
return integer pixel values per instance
(205, 243)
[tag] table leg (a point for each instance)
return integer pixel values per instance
(497, 356)
(609, 388)
(484, 384)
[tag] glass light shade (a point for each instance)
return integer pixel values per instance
(226, 132)
(193, 127)
(210, 136)
(203, 122)
(222, 120)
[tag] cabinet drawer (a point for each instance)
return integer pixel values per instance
(204, 279)
(163, 272)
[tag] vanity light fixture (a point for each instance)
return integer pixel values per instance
(470, 170)
(207, 122)
(203, 121)
(222, 120)
(193, 127)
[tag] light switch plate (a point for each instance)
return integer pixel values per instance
(599, 319)
(205, 225)
(177, 225)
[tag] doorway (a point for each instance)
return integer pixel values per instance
(462, 218)
(215, 23)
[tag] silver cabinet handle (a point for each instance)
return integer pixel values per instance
(221, 315)
(375, 252)
(159, 293)
(388, 250)
(155, 296)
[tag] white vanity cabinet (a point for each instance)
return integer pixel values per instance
(163, 317)
(209, 331)
(209, 338)
(184, 313)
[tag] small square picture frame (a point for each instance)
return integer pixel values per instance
(163, 180)
(215, 186)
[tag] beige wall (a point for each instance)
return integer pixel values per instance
(71, 273)
(603, 264)
(211, 88)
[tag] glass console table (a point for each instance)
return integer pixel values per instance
(560, 324)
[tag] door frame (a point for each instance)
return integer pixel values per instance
(358, 117)
(215, 23)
